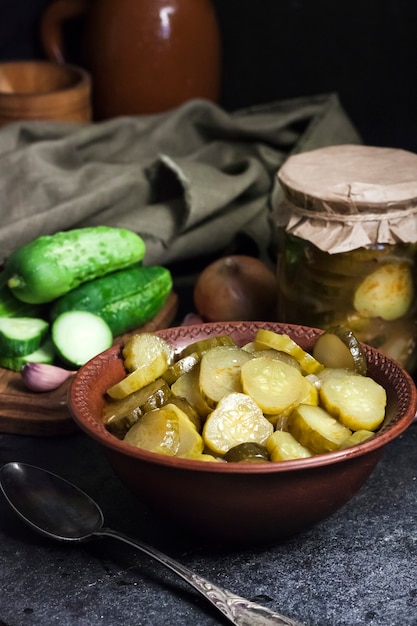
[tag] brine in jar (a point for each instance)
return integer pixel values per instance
(371, 291)
(347, 237)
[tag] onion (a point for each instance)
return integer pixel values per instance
(44, 377)
(236, 288)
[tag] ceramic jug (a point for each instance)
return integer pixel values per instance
(144, 56)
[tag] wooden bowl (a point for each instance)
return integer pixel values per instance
(236, 503)
(43, 90)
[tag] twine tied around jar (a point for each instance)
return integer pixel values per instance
(341, 198)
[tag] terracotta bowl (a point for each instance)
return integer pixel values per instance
(237, 503)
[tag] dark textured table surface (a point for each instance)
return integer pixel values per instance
(358, 567)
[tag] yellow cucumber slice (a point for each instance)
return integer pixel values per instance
(358, 402)
(187, 386)
(220, 370)
(140, 377)
(387, 293)
(202, 345)
(274, 385)
(339, 347)
(282, 446)
(268, 339)
(359, 436)
(236, 419)
(190, 411)
(191, 442)
(145, 347)
(157, 431)
(316, 429)
(119, 415)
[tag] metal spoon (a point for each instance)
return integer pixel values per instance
(59, 510)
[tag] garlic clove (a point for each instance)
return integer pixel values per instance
(44, 377)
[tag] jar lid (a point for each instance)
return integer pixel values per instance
(345, 197)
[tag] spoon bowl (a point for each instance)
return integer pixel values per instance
(50, 504)
(59, 510)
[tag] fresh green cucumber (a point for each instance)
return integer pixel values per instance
(78, 336)
(10, 306)
(44, 354)
(52, 265)
(125, 299)
(21, 335)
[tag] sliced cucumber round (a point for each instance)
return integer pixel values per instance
(21, 335)
(78, 336)
(316, 429)
(338, 347)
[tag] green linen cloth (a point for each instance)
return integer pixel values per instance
(189, 181)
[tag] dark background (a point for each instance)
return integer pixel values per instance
(365, 50)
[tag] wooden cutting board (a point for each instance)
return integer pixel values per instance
(46, 414)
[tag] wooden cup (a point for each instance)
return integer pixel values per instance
(44, 90)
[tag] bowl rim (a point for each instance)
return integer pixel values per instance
(100, 434)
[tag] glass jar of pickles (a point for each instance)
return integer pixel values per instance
(347, 237)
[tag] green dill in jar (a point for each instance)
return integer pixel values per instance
(347, 236)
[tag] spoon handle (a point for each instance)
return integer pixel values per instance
(239, 611)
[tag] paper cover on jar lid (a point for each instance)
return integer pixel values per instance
(343, 197)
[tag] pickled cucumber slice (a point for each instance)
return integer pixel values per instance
(282, 446)
(191, 442)
(236, 419)
(358, 402)
(269, 339)
(157, 431)
(187, 386)
(166, 431)
(249, 347)
(279, 420)
(140, 377)
(334, 372)
(119, 427)
(359, 436)
(120, 415)
(309, 393)
(180, 367)
(143, 348)
(316, 429)
(387, 293)
(202, 345)
(279, 355)
(220, 370)
(339, 347)
(204, 456)
(275, 386)
(160, 395)
(247, 452)
(190, 411)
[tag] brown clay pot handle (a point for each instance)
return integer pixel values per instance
(51, 25)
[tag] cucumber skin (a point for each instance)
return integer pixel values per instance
(125, 299)
(14, 347)
(44, 354)
(10, 306)
(52, 265)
